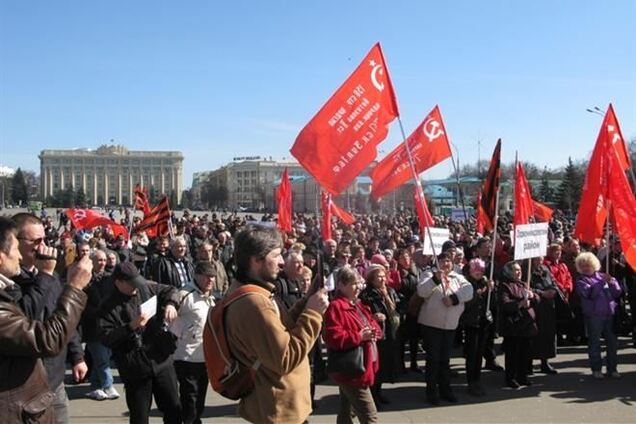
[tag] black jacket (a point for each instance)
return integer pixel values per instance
(287, 290)
(164, 271)
(40, 293)
(475, 309)
(138, 354)
(99, 289)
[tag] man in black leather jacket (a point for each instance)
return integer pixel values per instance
(24, 390)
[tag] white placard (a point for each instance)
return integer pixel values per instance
(531, 240)
(149, 307)
(440, 235)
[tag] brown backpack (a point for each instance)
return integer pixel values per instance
(228, 377)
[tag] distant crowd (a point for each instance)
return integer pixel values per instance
(370, 290)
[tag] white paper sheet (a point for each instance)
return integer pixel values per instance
(149, 307)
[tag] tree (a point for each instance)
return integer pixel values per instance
(213, 195)
(173, 199)
(187, 199)
(546, 193)
(569, 191)
(80, 197)
(152, 196)
(19, 190)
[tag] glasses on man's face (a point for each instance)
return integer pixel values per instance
(35, 241)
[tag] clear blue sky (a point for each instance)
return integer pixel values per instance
(222, 79)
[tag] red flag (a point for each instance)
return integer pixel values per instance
(344, 216)
(87, 219)
(542, 213)
(423, 214)
(155, 223)
(428, 145)
(141, 199)
(325, 206)
(479, 216)
(341, 139)
(623, 207)
(593, 206)
(284, 200)
(488, 200)
(524, 209)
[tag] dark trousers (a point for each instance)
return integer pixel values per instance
(489, 343)
(475, 343)
(518, 355)
(163, 386)
(439, 344)
(411, 335)
(193, 386)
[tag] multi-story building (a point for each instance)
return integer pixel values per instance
(247, 179)
(110, 173)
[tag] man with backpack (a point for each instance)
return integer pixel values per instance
(268, 343)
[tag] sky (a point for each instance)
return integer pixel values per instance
(216, 80)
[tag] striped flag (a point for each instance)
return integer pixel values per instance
(141, 199)
(156, 222)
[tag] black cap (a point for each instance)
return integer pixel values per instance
(128, 272)
(205, 268)
(449, 244)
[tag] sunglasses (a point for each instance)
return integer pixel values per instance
(36, 241)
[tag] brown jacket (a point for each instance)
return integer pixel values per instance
(24, 391)
(258, 329)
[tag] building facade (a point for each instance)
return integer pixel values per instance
(248, 179)
(109, 174)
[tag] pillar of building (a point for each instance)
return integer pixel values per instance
(105, 186)
(119, 199)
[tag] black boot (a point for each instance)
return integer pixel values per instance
(546, 368)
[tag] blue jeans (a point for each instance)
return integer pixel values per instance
(595, 328)
(101, 377)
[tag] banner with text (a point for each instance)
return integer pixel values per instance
(439, 235)
(531, 240)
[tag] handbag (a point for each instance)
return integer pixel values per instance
(347, 361)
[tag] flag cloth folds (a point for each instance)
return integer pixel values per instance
(479, 216)
(623, 207)
(423, 214)
(593, 205)
(141, 199)
(284, 200)
(86, 219)
(341, 139)
(524, 208)
(488, 200)
(156, 222)
(325, 207)
(342, 214)
(542, 213)
(428, 145)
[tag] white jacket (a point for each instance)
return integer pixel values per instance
(193, 313)
(433, 312)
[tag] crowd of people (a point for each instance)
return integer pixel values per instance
(356, 308)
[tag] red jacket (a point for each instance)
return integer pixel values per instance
(342, 331)
(561, 275)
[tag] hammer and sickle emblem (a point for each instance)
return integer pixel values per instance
(79, 215)
(432, 130)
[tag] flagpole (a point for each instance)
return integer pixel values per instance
(459, 187)
(607, 237)
(422, 200)
(494, 243)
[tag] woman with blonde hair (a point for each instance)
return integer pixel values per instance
(598, 292)
(350, 335)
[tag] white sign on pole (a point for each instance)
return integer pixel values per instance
(440, 235)
(531, 240)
